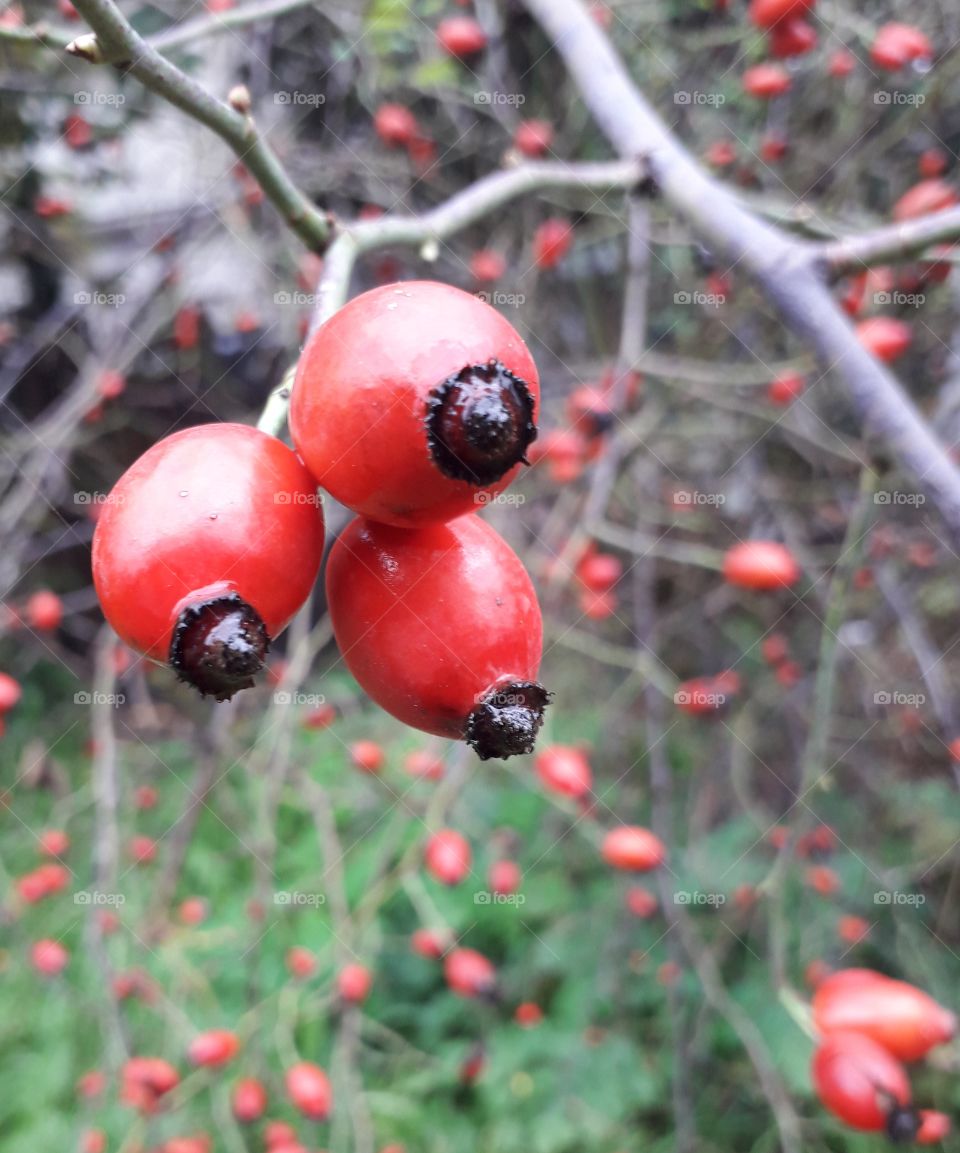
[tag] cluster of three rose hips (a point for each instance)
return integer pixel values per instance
(413, 406)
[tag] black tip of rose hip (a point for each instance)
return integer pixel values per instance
(480, 423)
(218, 646)
(506, 721)
(903, 1125)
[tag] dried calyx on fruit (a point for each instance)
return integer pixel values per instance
(219, 645)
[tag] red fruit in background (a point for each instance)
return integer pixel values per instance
(897, 45)
(590, 411)
(852, 929)
(760, 565)
(778, 837)
(821, 839)
(43, 611)
(300, 962)
(792, 38)
(841, 63)
(67, 10)
(450, 643)
(91, 1084)
(551, 242)
(111, 384)
(822, 880)
(785, 389)
(49, 958)
(430, 943)
(207, 547)
(54, 842)
(504, 877)
(48, 207)
(192, 911)
(308, 1087)
(528, 1015)
(461, 36)
(932, 162)
(216, 1047)
(533, 137)
(599, 571)
(144, 1080)
(934, 1127)
(925, 198)
(367, 756)
(721, 154)
(816, 973)
(320, 717)
(668, 973)
(885, 336)
(10, 693)
(900, 1017)
(767, 13)
(597, 606)
(93, 1141)
(858, 1081)
(42, 882)
(565, 770)
(146, 797)
(766, 81)
(142, 849)
(439, 408)
(641, 902)
(487, 265)
(279, 1133)
(564, 451)
(447, 857)
(77, 132)
(186, 327)
(773, 148)
(249, 1100)
(774, 648)
(422, 763)
(469, 974)
(198, 1144)
(634, 848)
(354, 983)
(396, 125)
(706, 694)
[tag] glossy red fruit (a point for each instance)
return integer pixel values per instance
(430, 943)
(551, 242)
(440, 626)
(504, 877)
(533, 138)
(412, 400)
(885, 336)
(367, 756)
(761, 565)
(354, 983)
(565, 770)
(633, 848)
(216, 1047)
(766, 81)
(487, 266)
(861, 1083)
(43, 611)
(308, 1087)
(784, 390)
(897, 45)
(767, 13)
(396, 125)
(447, 857)
(10, 693)
(49, 958)
(461, 36)
(469, 973)
(900, 1017)
(841, 63)
(249, 1100)
(925, 198)
(206, 548)
(792, 38)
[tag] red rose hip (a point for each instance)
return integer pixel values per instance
(411, 400)
(206, 548)
(440, 626)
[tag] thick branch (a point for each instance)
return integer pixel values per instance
(784, 268)
(115, 38)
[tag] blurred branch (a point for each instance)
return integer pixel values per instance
(788, 270)
(186, 33)
(891, 242)
(115, 37)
